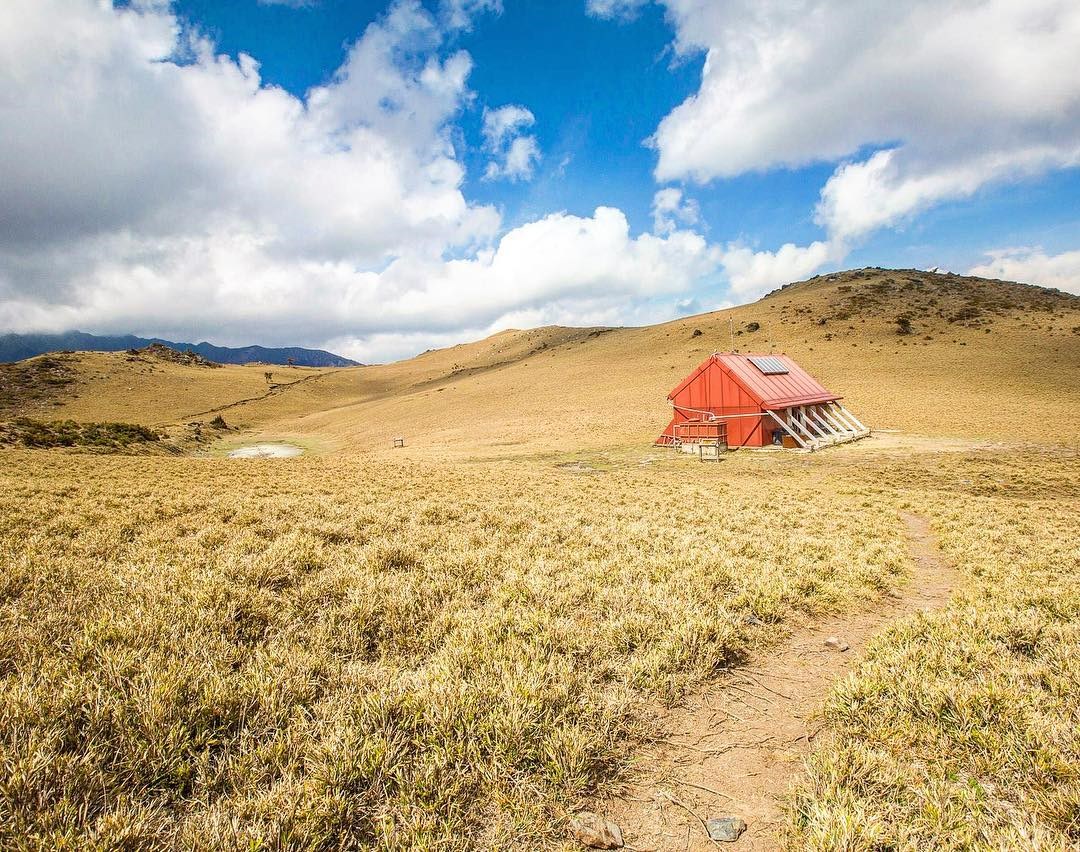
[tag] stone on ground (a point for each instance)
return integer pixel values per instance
(835, 643)
(725, 829)
(594, 831)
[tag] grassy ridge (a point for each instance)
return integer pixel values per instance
(964, 370)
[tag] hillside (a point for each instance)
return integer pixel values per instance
(155, 386)
(17, 347)
(921, 352)
(962, 362)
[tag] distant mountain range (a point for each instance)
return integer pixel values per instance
(15, 347)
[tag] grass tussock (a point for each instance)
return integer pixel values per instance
(961, 729)
(315, 655)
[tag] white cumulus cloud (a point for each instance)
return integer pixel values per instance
(148, 184)
(514, 153)
(669, 209)
(752, 273)
(1033, 266)
(118, 139)
(955, 94)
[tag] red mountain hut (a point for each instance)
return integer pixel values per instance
(735, 400)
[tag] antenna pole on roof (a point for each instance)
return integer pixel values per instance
(731, 330)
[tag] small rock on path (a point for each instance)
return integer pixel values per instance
(725, 829)
(594, 831)
(835, 643)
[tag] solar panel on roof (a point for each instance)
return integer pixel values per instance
(768, 365)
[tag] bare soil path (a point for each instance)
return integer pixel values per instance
(734, 750)
(276, 388)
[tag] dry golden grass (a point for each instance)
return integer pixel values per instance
(115, 386)
(961, 729)
(447, 645)
(213, 654)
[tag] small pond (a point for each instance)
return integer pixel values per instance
(266, 451)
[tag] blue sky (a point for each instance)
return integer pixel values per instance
(598, 89)
(381, 177)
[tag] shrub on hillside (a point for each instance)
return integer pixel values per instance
(68, 433)
(965, 314)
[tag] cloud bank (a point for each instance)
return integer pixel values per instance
(149, 184)
(152, 185)
(1033, 266)
(950, 96)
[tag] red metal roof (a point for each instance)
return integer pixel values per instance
(795, 387)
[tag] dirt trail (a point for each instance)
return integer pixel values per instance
(275, 389)
(733, 750)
